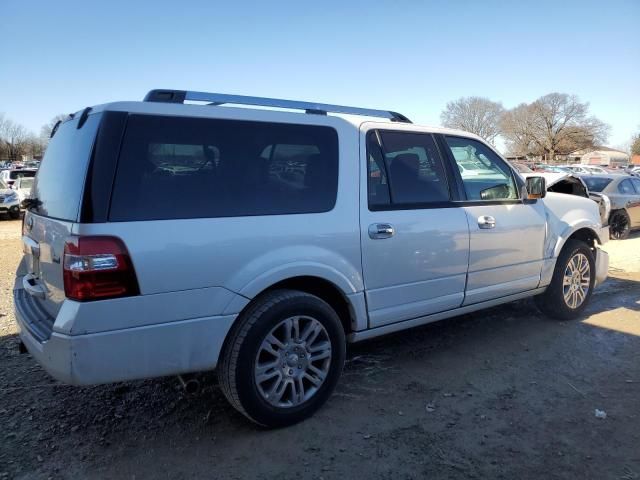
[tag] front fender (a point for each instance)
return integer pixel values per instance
(570, 229)
(566, 214)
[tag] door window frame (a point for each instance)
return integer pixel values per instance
(464, 200)
(391, 206)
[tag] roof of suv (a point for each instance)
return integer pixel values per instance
(266, 109)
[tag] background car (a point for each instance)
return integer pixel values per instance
(22, 187)
(624, 193)
(10, 176)
(9, 201)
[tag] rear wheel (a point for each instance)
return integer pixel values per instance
(283, 358)
(619, 225)
(14, 213)
(572, 283)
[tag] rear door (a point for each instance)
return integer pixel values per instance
(507, 234)
(634, 203)
(415, 241)
(57, 195)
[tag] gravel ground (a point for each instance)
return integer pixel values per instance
(503, 393)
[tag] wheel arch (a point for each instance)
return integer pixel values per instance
(585, 233)
(350, 307)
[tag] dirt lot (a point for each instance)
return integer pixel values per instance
(503, 393)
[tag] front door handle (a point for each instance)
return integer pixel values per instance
(379, 231)
(486, 222)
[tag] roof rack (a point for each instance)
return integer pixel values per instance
(179, 96)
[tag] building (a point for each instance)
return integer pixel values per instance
(605, 156)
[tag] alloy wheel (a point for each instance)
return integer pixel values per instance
(576, 281)
(293, 361)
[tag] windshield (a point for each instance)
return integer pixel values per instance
(596, 184)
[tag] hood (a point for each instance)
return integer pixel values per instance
(6, 191)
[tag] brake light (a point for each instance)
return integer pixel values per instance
(98, 268)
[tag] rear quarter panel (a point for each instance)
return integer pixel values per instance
(248, 254)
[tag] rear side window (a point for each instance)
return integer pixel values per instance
(626, 187)
(59, 183)
(405, 169)
(177, 167)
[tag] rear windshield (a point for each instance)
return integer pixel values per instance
(58, 186)
(15, 174)
(175, 167)
(596, 184)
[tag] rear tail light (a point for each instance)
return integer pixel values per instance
(98, 268)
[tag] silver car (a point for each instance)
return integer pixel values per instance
(296, 232)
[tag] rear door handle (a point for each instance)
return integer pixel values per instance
(378, 231)
(486, 222)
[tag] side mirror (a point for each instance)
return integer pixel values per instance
(536, 188)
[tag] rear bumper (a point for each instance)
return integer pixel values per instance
(125, 354)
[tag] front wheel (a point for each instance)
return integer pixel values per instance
(14, 213)
(572, 283)
(283, 358)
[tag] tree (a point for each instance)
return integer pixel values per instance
(474, 114)
(14, 138)
(556, 124)
(45, 131)
(635, 146)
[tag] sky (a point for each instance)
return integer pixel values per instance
(407, 56)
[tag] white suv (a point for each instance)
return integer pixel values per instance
(164, 238)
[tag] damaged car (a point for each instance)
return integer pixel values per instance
(572, 184)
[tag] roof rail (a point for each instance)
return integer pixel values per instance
(179, 96)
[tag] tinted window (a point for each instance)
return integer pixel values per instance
(484, 174)
(636, 185)
(626, 187)
(596, 184)
(414, 168)
(15, 174)
(174, 167)
(60, 181)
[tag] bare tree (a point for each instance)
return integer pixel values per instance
(635, 146)
(556, 124)
(474, 114)
(45, 131)
(14, 138)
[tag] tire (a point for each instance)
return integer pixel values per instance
(553, 301)
(14, 213)
(619, 225)
(244, 356)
